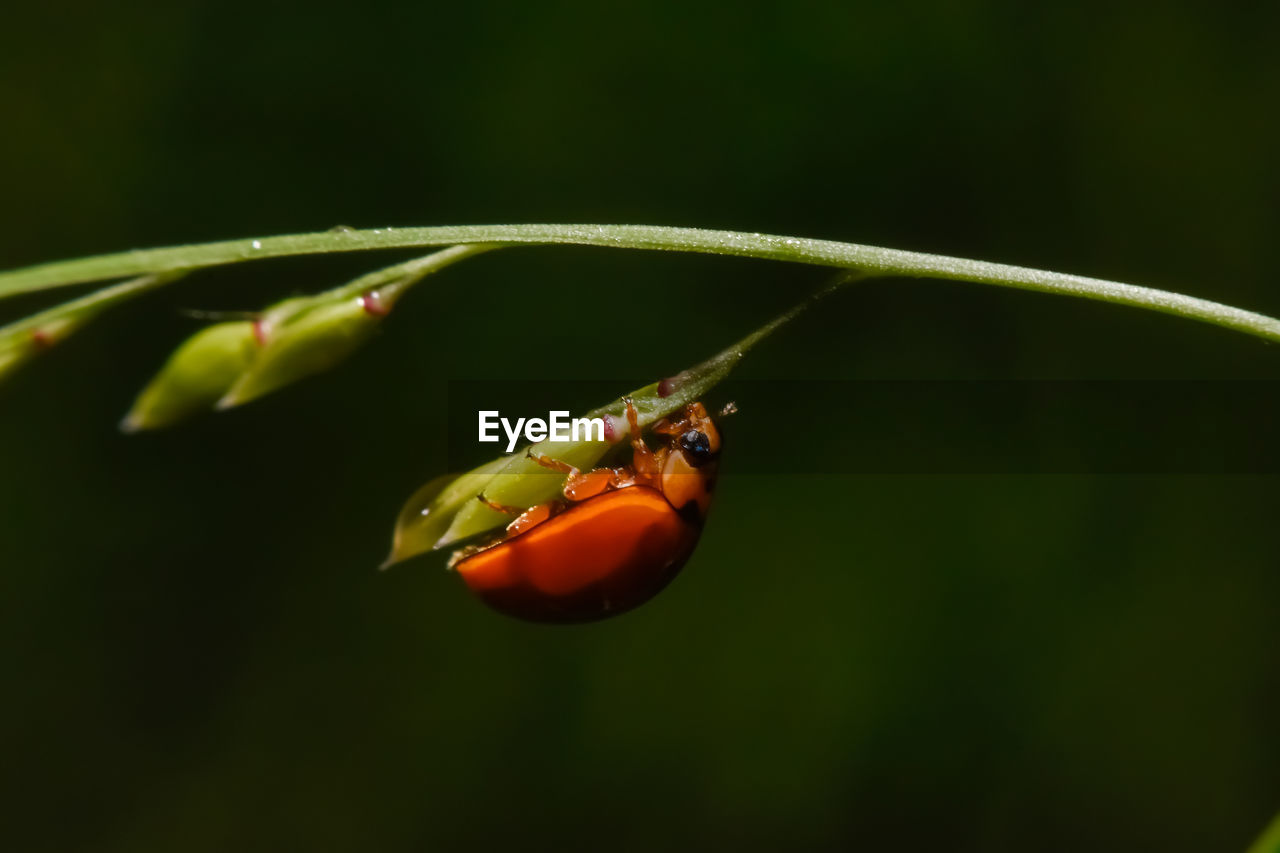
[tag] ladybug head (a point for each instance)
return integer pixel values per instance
(696, 447)
(693, 435)
(689, 472)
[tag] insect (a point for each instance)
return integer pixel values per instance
(615, 538)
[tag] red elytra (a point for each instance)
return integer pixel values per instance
(614, 541)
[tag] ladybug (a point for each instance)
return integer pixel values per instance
(615, 538)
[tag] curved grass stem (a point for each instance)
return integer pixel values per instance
(869, 259)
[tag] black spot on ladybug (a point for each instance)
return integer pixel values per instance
(697, 447)
(691, 513)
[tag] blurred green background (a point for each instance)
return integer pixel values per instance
(198, 653)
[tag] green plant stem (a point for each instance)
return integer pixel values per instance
(90, 304)
(394, 280)
(870, 259)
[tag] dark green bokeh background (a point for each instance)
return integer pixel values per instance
(198, 653)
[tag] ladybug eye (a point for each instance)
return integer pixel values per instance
(696, 446)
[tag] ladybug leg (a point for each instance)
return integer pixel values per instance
(579, 485)
(643, 460)
(553, 464)
(496, 507)
(590, 484)
(525, 518)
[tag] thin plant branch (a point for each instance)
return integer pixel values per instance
(870, 259)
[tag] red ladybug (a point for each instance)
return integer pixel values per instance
(617, 537)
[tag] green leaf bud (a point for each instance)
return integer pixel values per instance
(305, 337)
(427, 515)
(27, 338)
(196, 376)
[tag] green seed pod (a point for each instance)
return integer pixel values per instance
(23, 341)
(196, 376)
(233, 363)
(523, 483)
(445, 510)
(305, 337)
(427, 515)
(310, 335)
(27, 338)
